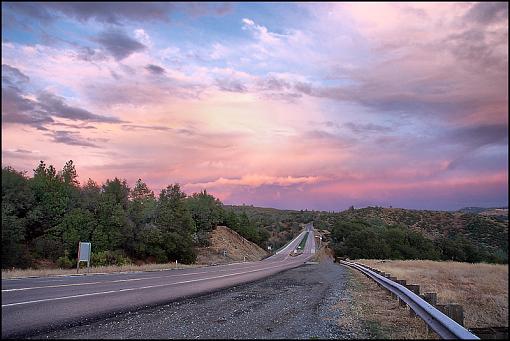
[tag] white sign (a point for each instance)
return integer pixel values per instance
(84, 252)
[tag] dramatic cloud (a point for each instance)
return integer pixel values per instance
(113, 12)
(137, 126)
(488, 12)
(118, 44)
(71, 138)
(13, 77)
(55, 106)
(231, 85)
(289, 105)
(154, 69)
(478, 136)
(255, 180)
(20, 107)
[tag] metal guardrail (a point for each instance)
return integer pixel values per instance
(444, 326)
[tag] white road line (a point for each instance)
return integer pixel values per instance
(119, 280)
(139, 288)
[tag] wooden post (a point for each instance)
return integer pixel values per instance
(414, 288)
(453, 311)
(430, 298)
(401, 281)
(392, 278)
(411, 312)
(401, 302)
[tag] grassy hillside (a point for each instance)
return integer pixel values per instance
(483, 231)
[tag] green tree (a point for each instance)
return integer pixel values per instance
(118, 190)
(90, 196)
(17, 201)
(52, 200)
(206, 210)
(141, 211)
(76, 226)
(174, 219)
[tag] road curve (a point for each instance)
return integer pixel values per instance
(33, 305)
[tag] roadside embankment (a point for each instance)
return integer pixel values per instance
(482, 289)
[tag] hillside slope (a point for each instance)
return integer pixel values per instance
(480, 229)
(237, 248)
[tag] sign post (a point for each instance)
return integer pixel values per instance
(84, 251)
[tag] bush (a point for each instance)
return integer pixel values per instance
(65, 263)
(105, 258)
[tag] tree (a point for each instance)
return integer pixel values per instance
(69, 174)
(90, 194)
(52, 200)
(174, 219)
(17, 201)
(207, 212)
(141, 211)
(76, 226)
(232, 221)
(142, 204)
(172, 214)
(118, 190)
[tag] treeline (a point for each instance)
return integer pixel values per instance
(46, 215)
(359, 239)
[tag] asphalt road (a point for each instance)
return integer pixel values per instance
(35, 305)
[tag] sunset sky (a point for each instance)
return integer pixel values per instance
(285, 105)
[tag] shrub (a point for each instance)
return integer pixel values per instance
(104, 258)
(65, 263)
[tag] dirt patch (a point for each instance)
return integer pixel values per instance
(237, 248)
(482, 289)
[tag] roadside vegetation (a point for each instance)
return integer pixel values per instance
(380, 233)
(46, 215)
(482, 289)
(374, 312)
(21, 273)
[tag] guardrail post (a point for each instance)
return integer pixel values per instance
(401, 302)
(412, 313)
(430, 298)
(414, 288)
(401, 281)
(454, 311)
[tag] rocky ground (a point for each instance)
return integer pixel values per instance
(299, 304)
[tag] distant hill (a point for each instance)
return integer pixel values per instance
(487, 229)
(500, 213)
(483, 230)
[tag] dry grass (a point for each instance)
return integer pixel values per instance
(19, 273)
(238, 249)
(373, 309)
(482, 289)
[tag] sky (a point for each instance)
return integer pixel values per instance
(287, 105)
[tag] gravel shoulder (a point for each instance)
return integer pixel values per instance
(300, 303)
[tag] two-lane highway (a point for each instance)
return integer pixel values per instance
(32, 305)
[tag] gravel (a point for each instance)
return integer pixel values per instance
(296, 304)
